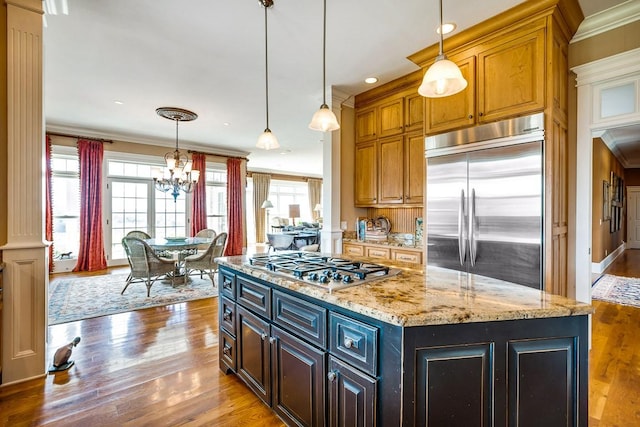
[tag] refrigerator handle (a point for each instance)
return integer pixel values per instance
(462, 240)
(472, 228)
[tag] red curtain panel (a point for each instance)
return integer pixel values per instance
(234, 207)
(91, 253)
(49, 204)
(199, 199)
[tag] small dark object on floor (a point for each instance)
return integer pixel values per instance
(61, 357)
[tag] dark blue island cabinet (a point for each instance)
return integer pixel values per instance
(318, 364)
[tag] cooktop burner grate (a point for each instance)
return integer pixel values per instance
(317, 269)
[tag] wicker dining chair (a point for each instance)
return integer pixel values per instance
(146, 265)
(280, 241)
(205, 262)
(139, 234)
(207, 233)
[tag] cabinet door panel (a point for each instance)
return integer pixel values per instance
(511, 77)
(352, 396)
(454, 111)
(415, 162)
(454, 385)
(305, 319)
(298, 382)
(366, 174)
(391, 118)
(391, 172)
(352, 249)
(255, 296)
(546, 373)
(366, 125)
(253, 355)
(414, 111)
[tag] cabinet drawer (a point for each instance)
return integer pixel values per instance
(407, 256)
(228, 315)
(377, 252)
(304, 319)
(254, 296)
(227, 350)
(353, 249)
(228, 284)
(354, 342)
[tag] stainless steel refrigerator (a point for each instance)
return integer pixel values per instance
(485, 200)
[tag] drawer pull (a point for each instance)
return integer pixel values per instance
(348, 342)
(227, 349)
(263, 336)
(226, 283)
(331, 376)
(272, 340)
(227, 315)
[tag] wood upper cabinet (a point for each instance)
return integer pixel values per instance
(366, 124)
(505, 78)
(366, 174)
(391, 118)
(413, 111)
(511, 76)
(454, 111)
(391, 170)
(414, 169)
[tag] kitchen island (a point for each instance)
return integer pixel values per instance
(423, 347)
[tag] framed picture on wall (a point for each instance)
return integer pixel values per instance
(606, 201)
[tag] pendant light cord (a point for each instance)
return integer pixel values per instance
(177, 121)
(441, 31)
(266, 64)
(324, 54)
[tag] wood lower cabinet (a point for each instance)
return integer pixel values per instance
(371, 250)
(352, 396)
(254, 354)
(377, 252)
(353, 249)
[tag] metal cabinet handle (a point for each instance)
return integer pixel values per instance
(471, 116)
(272, 340)
(348, 342)
(227, 349)
(331, 376)
(226, 283)
(263, 336)
(462, 247)
(227, 315)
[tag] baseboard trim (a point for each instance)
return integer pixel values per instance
(599, 267)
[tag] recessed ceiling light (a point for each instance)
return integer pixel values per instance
(226, 123)
(285, 152)
(118, 102)
(371, 80)
(447, 27)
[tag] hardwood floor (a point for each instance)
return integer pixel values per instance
(614, 362)
(159, 367)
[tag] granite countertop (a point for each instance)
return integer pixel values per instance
(431, 296)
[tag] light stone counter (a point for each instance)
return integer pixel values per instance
(434, 296)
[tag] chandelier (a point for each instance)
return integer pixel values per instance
(178, 174)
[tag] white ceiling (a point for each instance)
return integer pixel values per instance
(208, 56)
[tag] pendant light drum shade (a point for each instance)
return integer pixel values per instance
(443, 78)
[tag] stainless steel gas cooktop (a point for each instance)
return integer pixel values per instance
(321, 270)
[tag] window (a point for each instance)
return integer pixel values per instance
(285, 193)
(65, 184)
(216, 199)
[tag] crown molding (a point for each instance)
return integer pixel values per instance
(138, 139)
(608, 20)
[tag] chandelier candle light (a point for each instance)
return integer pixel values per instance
(443, 78)
(178, 175)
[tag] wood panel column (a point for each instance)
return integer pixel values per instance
(25, 252)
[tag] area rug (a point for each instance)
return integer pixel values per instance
(617, 289)
(72, 299)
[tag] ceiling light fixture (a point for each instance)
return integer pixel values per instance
(267, 140)
(178, 175)
(324, 120)
(446, 28)
(371, 80)
(443, 78)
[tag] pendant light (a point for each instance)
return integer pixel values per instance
(267, 140)
(443, 78)
(324, 120)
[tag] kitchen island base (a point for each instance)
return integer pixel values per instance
(316, 363)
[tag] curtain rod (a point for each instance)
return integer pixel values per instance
(68, 135)
(284, 177)
(217, 155)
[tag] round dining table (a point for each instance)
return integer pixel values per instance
(183, 246)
